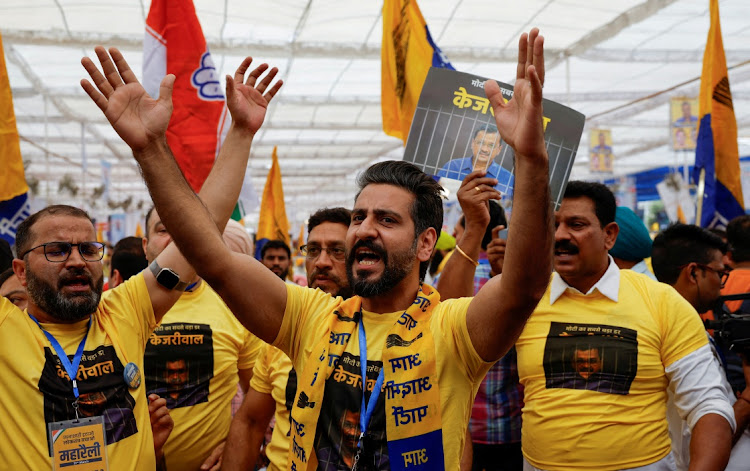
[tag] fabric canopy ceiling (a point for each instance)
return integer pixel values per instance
(617, 62)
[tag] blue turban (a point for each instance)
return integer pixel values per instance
(633, 242)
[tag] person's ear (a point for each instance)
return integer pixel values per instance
(610, 234)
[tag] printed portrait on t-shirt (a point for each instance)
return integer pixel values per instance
(594, 357)
(180, 363)
(338, 427)
(102, 392)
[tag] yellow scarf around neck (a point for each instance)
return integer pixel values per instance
(412, 401)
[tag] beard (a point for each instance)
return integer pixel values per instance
(343, 289)
(396, 268)
(65, 308)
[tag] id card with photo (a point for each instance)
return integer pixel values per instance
(78, 445)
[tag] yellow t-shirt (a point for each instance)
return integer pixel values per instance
(192, 360)
(35, 389)
(460, 371)
(273, 374)
(595, 390)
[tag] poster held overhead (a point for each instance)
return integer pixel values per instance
(454, 132)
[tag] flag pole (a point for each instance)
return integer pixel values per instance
(699, 197)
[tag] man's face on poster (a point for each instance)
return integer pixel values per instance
(602, 139)
(587, 362)
(350, 429)
(686, 110)
(485, 147)
(177, 374)
(681, 139)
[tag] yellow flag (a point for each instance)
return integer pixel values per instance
(406, 55)
(716, 149)
(300, 242)
(12, 180)
(272, 222)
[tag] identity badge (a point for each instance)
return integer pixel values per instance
(78, 445)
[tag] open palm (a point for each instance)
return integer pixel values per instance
(248, 100)
(520, 120)
(137, 118)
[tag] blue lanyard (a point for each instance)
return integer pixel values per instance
(365, 413)
(70, 368)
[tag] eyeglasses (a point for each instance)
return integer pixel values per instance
(723, 274)
(58, 252)
(313, 252)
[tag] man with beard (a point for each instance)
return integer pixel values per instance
(194, 359)
(277, 257)
(690, 259)
(67, 324)
(650, 340)
(408, 363)
(274, 382)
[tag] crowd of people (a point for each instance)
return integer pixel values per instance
(545, 342)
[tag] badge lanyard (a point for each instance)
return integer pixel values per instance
(365, 413)
(70, 368)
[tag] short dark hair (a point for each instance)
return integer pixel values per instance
(427, 210)
(738, 237)
(128, 257)
(24, 234)
(275, 244)
(602, 197)
(336, 215)
(487, 129)
(5, 275)
(680, 244)
(6, 255)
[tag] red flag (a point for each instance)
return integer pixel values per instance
(175, 44)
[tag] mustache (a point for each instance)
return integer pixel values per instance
(75, 274)
(566, 246)
(367, 244)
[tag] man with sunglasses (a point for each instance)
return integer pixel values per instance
(691, 260)
(75, 359)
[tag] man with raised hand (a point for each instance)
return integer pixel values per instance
(82, 356)
(426, 357)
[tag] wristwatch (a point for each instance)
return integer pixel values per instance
(167, 277)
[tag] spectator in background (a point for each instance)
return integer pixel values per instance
(633, 243)
(128, 258)
(277, 257)
(495, 426)
(691, 260)
(738, 238)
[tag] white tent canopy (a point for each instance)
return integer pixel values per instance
(617, 62)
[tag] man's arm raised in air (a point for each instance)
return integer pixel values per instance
(499, 311)
(142, 123)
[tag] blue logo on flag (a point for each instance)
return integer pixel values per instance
(12, 213)
(206, 80)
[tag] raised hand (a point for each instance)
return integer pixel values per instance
(520, 120)
(246, 99)
(475, 191)
(138, 119)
